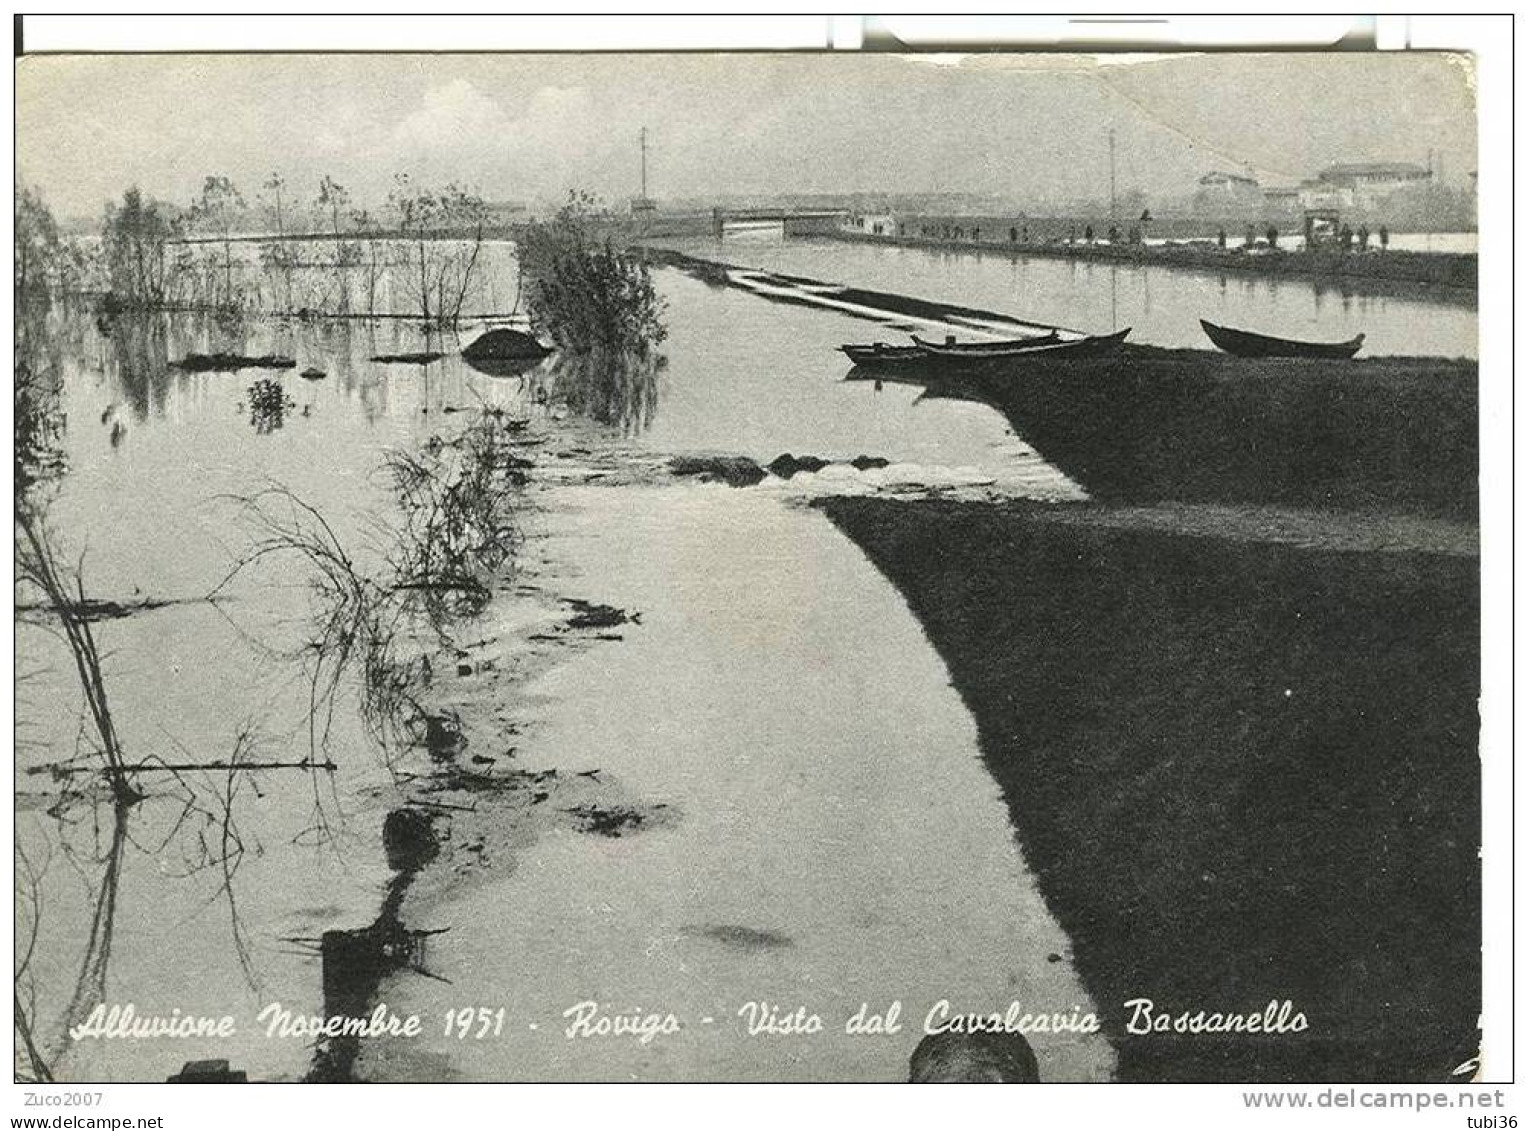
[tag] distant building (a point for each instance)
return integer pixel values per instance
(1282, 201)
(505, 211)
(1227, 194)
(874, 223)
(1362, 186)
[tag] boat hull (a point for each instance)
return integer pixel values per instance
(990, 349)
(883, 356)
(1244, 343)
(1007, 353)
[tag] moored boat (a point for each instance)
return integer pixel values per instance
(1000, 346)
(1245, 343)
(881, 354)
(1051, 348)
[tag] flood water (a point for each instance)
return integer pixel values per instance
(828, 825)
(837, 841)
(1161, 305)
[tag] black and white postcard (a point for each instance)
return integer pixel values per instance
(824, 566)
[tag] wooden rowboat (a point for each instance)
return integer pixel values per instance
(1050, 348)
(1244, 343)
(880, 355)
(1004, 346)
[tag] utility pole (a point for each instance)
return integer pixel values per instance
(1113, 218)
(643, 137)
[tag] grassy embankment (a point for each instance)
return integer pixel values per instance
(1241, 771)
(1391, 434)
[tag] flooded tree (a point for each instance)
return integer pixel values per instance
(366, 226)
(331, 208)
(277, 257)
(37, 390)
(445, 231)
(333, 200)
(278, 261)
(37, 243)
(37, 387)
(41, 568)
(216, 209)
(275, 185)
(135, 236)
(46, 262)
(587, 294)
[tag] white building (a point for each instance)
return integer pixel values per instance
(874, 223)
(1362, 186)
(1221, 195)
(1282, 201)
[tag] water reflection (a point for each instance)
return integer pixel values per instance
(355, 961)
(616, 389)
(37, 396)
(502, 367)
(186, 820)
(138, 361)
(90, 986)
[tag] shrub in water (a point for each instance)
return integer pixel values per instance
(586, 294)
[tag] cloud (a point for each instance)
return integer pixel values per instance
(451, 116)
(468, 135)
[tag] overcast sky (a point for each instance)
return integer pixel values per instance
(528, 127)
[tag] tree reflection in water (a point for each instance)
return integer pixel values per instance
(618, 388)
(37, 391)
(138, 361)
(183, 812)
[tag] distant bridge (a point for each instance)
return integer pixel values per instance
(796, 222)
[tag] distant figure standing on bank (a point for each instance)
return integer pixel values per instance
(1363, 237)
(1346, 235)
(1087, 233)
(1221, 239)
(974, 1058)
(1251, 236)
(1272, 235)
(1384, 238)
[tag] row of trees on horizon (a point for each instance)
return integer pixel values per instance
(157, 253)
(579, 289)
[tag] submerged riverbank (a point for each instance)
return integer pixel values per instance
(794, 813)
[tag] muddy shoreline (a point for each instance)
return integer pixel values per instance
(1243, 772)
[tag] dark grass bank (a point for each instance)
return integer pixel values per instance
(1148, 424)
(1242, 772)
